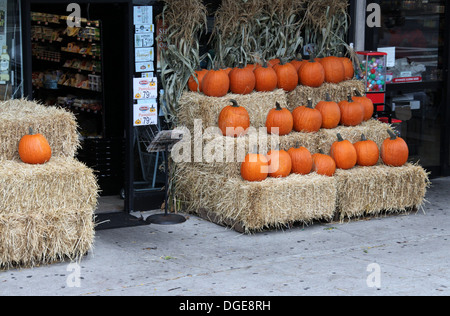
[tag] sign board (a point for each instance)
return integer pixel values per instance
(145, 113)
(145, 88)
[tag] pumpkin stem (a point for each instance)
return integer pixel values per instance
(235, 104)
(30, 130)
(339, 137)
(309, 105)
(321, 151)
(278, 106)
(392, 134)
(327, 97)
(363, 137)
(357, 93)
(350, 98)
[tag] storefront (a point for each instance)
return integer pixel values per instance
(91, 72)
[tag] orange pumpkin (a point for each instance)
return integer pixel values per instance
(242, 80)
(311, 74)
(279, 118)
(366, 103)
(265, 78)
(297, 63)
(280, 163)
(344, 153)
(306, 118)
(255, 167)
(287, 76)
(367, 152)
(216, 83)
(323, 164)
(394, 150)
(301, 160)
(331, 113)
(274, 61)
(234, 120)
(192, 83)
(352, 112)
(334, 69)
(34, 148)
(349, 70)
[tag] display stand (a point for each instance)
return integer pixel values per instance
(164, 141)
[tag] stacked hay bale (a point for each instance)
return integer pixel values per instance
(216, 191)
(46, 211)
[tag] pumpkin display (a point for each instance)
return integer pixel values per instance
(306, 118)
(216, 83)
(274, 61)
(280, 163)
(301, 159)
(234, 120)
(297, 63)
(334, 69)
(344, 153)
(394, 150)
(331, 113)
(366, 103)
(34, 148)
(242, 80)
(323, 164)
(266, 79)
(367, 152)
(280, 118)
(311, 74)
(287, 76)
(192, 84)
(352, 112)
(255, 167)
(349, 70)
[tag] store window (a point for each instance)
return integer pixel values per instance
(11, 77)
(413, 34)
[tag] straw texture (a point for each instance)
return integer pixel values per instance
(380, 189)
(57, 125)
(272, 203)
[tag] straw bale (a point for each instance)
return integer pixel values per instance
(337, 91)
(380, 189)
(197, 106)
(46, 211)
(223, 155)
(43, 236)
(272, 203)
(59, 183)
(373, 129)
(57, 125)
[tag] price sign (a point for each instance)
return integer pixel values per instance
(145, 88)
(145, 113)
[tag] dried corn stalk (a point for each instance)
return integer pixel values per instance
(185, 21)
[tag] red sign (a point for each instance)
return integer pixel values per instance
(407, 79)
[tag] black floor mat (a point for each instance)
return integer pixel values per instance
(117, 220)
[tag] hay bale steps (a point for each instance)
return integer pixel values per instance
(215, 191)
(47, 210)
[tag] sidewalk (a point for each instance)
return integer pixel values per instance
(393, 255)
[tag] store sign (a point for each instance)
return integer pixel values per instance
(145, 113)
(145, 88)
(144, 67)
(144, 54)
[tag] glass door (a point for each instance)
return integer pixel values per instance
(415, 33)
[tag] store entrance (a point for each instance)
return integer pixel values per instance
(84, 69)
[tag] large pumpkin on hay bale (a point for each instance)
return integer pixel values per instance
(323, 164)
(331, 113)
(366, 103)
(311, 74)
(394, 150)
(287, 76)
(216, 83)
(301, 159)
(266, 79)
(255, 167)
(34, 148)
(281, 119)
(192, 83)
(306, 118)
(344, 153)
(242, 80)
(280, 163)
(367, 152)
(349, 70)
(352, 112)
(234, 120)
(334, 69)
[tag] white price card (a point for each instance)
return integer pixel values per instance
(144, 28)
(144, 54)
(143, 14)
(145, 88)
(144, 67)
(145, 113)
(143, 40)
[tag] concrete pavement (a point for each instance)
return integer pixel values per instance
(393, 255)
